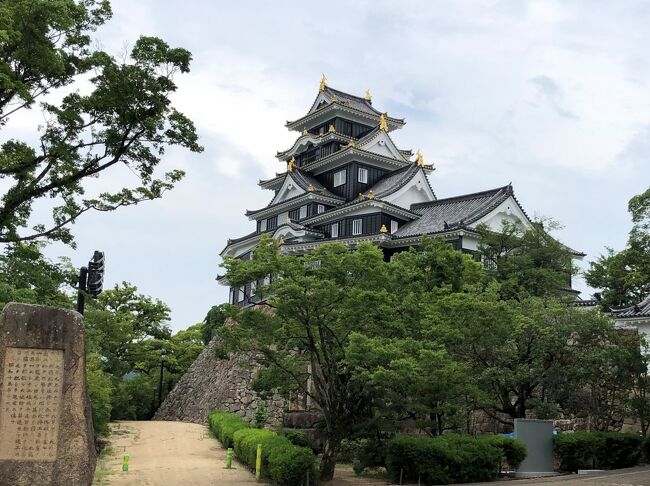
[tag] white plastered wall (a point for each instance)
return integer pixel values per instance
(416, 191)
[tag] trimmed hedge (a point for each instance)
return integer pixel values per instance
(225, 424)
(283, 462)
(597, 450)
(298, 437)
(513, 451)
(447, 459)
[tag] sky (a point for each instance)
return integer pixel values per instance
(553, 97)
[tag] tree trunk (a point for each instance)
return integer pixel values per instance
(328, 461)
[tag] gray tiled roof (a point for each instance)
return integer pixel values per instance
(355, 102)
(642, 309)
(394, 181)
(454, 212)
(303, 179)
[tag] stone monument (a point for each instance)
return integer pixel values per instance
(46, 433)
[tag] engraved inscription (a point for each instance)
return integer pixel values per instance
(31, 400)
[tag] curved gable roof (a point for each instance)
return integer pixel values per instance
(453, 212)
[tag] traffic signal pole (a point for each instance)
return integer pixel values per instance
(91, 280)
(81, 294)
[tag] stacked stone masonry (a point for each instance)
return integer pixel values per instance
(214, 383)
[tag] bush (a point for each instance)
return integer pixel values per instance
(597, 450)
(298, 437)
(100, 391)
(646, 450)
(225, 424)
(284, 463)
(513, 451)
(443, 460)
(350, 450)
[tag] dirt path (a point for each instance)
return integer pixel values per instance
(167, 454)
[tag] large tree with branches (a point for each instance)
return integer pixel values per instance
(113, 112)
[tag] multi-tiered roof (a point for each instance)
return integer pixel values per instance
(346, 180)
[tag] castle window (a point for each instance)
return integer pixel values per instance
(335, 230)
(303, 212)
(253, 287)
(263, 225)
(363, 175)
(357, 226)
(394, 225)
(241, 294)
(339, 178)
(320, 209)
(231, 297)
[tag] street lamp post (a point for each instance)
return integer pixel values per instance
(160, 380)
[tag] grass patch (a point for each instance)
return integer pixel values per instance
(102, 469)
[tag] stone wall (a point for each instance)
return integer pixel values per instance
(213, 383)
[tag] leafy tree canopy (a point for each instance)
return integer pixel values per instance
(322, 299)
(125, 117)
(624, 276)
(526, 262)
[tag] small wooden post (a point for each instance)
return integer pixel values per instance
(258, 462)
(229, 458)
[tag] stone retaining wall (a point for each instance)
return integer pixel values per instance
(213, 383)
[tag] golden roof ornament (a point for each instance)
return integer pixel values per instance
(331, 129)
(383, 229)
(323, 83)
(368, 96)
(310, 188)
(323, 191)
(383, 122)
(350, 143)
(304, 131)
(361, 196)
(420, 159)
(335, 99)
(371, 195)
(291, 164)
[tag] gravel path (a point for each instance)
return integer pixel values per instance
(167, 454)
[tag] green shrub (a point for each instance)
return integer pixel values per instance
(597, 450)
(513, 451)
(284, 463)
(646, 450)
(225, 424)
(443, 460)
(298, 437)
(350, 450)
(100, 391)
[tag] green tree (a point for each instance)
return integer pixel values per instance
(526, 262)
(125, 118)
(100, 392)
(27, 276)
(624, 276)
(526, 355)
(318, 302)
(214, 319)
(416, 380)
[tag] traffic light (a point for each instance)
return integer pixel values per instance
(96, 274)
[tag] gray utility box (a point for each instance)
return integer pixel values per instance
(538, 437)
